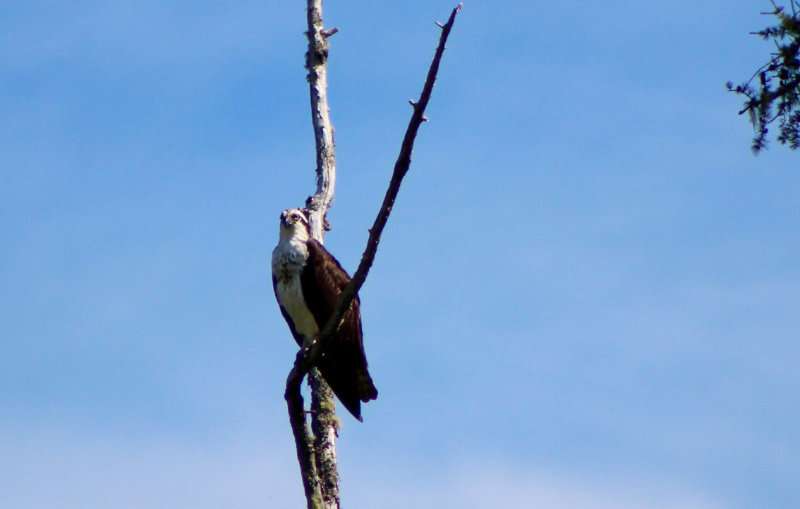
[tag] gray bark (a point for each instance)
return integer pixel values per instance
(323, 409)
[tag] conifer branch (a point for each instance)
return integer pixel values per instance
(776, 96)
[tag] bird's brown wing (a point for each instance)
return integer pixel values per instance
(343, 363)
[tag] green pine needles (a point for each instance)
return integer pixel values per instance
(773, 92)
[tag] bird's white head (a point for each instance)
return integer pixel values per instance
(294, 225)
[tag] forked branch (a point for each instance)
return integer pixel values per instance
(307, 356)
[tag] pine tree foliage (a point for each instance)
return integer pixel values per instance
(773, 92)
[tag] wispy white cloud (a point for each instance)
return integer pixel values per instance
(61, 469)
(65, 469)
(489, 485)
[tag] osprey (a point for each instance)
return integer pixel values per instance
(308, 281)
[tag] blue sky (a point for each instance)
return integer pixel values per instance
(587, 295)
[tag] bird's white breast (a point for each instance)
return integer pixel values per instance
(288, 262)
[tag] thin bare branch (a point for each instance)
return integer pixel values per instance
(329, 32)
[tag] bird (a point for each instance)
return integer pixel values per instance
(308, 282)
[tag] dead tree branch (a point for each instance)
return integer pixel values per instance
(323, 409)
(306, 358)
(305, 447)
(316, 60)
(316, 448)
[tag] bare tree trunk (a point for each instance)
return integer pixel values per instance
(323, 410)
(317, 453)
(324, 424)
